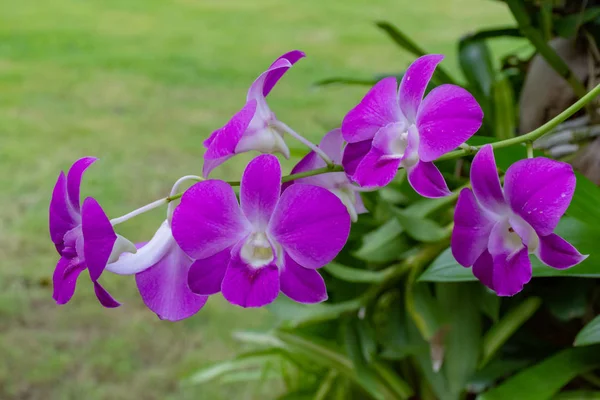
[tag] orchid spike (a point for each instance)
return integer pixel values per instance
(83, 236)
(395, 128)
(336, 182)
(496, 229)
(269, 242)
(255, 126)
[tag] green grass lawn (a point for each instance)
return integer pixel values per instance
(140, 84)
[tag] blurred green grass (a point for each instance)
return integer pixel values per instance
(140, 84)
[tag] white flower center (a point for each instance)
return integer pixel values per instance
(399, 144)
(266, 139)
(257, 251)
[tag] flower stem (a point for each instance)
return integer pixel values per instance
(171, 206)
(141, 210)
(529, 149)
(534, 134)
(304, 141)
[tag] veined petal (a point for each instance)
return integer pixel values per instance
(208, 219)
(427, 180)
(353, 155)
(302, 284)
(247, 286)
(471, 231)
(311, 224)
(147, 255)
(511, 272)
(259, 191)
(74, 179)
(206, 276)
(99, 237)
(64, 279)
(222, 143)
(540, 191)
(62, 216)
(275, 72)
(556, 252)
(164, 286)
(375, 171)
(378, 108)
(414, 83)
(104, 297)
(447, 117)
(485, 181)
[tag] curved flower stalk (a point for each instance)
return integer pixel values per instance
(83, 236)
(265, 244)
(496, 229)
(391, 129)
(255, 126)
(338, 183)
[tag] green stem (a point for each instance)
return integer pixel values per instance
(533, 135)
(529, 149)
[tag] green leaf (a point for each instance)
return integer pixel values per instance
(543, 380)
(584, 205)
(495, 370)
(495, 33)
(501, 331)
(423, 309)
(489, 303)
(590, 334)
(475, 60)
(355, 81)
(349, 274)
(504, 108)
(383, 244)
(577, 395)
(583, 237)
(421, 229)
(569, 25)
(291, 314)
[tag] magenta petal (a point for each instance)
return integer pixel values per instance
(260, 188)
(427, 180)
(74, 179)
(208, 219)
(414, 82)
(373, 171)
(99, 237)
(353, 155)
(511, 272)
(62, 216)
(206, 275)
(540, 190)
(302, 284)
(64, 279)
(222, 143)
(274, 74)
(483, 269)
(247, 286)
(104, 297)
(485, 181)
(311, 224)
(164, 287)
(471, 230)
(558, 253)
(448, 116)
(378, 108)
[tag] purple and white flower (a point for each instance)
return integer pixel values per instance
(83, 236)
(269, 242)
(338, 183)
(496, 229)
(391, 129)
(255, 126)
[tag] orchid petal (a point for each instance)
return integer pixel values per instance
(540, 190)
(414, 83)
(74, 179)
(556, 252)
(447, 117)
(99, 237)
(103, 296)
(206, 275)
(302, 284)
(62, 216)
(222, 143)
(472, 227)
(483, 269)
(378, 108)
(208, 219)
(511, 272)
(164, 286)
(65, 279)
(353, 155)
(311, 224)
(274, 74)
(427, 180)
(485, 181)
(260, 188)
(375, 171)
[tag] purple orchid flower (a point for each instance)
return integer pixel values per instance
(161, 272)
(338, 183)
(255, 126)
(392, 128)
(496, 229)
(83, 236)
(266, 243)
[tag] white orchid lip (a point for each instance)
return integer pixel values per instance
(266, 140)
(257, 250)
(147, 256)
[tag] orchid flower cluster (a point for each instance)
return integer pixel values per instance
(280, 231)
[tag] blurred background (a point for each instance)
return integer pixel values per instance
(140, 84)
